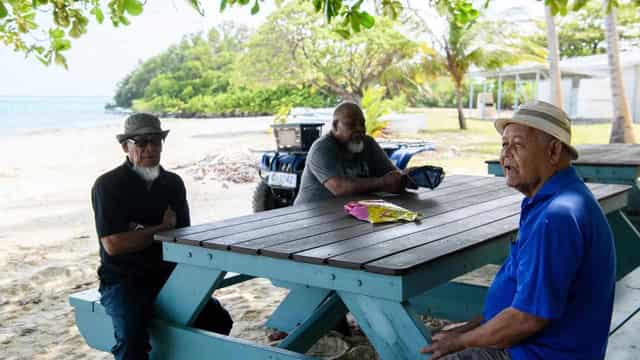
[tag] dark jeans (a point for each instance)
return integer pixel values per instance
(131, 309)
(479, 354)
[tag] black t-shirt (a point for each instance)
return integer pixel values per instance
(120, 197)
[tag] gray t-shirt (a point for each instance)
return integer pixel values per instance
(327, 159)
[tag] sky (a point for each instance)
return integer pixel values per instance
(104, 55)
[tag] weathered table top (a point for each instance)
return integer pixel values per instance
(606, 155)
(464, 211)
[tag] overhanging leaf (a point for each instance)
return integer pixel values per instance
(97, 12)
(256, 8)
(3, 11)
(342, 32)
(355, 22)
(133, 7)
(367, 20)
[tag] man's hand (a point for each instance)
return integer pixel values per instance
(392, 182)
(169, 219)
(443, 343)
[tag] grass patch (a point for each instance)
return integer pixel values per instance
(465, 151)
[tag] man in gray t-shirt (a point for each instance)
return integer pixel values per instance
(347, 161)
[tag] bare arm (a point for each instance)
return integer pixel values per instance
(132, 241)
(347, 185)
(508, 328)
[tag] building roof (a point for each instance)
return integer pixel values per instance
(577, 67)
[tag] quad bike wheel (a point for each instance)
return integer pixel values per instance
(263, 199)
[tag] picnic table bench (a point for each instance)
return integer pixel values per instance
(385, 275)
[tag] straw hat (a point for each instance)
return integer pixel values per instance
(141, 124)
(545, 117)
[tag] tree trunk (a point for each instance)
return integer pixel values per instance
(554, 60)
(461, 120)
(622, 125)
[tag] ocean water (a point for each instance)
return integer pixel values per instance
(23, 113)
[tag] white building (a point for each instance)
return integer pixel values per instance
(585, 84)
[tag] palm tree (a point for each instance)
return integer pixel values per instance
(470, 41)
(554, 59)
(622, 126)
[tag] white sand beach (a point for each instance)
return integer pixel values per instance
(48, 245)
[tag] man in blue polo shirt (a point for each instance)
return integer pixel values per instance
(553, 297)
(131, 203)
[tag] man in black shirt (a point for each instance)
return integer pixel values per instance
(131, 203)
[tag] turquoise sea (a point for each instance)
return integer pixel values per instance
(19, 113)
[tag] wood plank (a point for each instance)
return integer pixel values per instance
(408, 201)
(356, 259)
(322, 254)
(403, 262)
(197, 239)
(225, 242)
(419, 204)
(292, 248)
(172, 235)
(627, 300)
(623, 344)
(605, 155)
(233, 227)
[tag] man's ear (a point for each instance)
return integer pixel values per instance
(334, 125)
(556, 147)
(125, 146)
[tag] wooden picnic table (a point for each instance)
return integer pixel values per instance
(385, 275)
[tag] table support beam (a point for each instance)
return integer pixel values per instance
(394, 329)
(186, 292)
(299, 305)
(325, 318)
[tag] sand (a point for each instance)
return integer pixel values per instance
(48, 246)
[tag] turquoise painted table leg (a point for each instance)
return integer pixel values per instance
(186, 292)
(298, 306)
(325, 318)
(394, 329)
(627, 241)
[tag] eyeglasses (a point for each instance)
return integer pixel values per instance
(143, 141)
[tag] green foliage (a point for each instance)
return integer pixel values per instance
(19, 18)
(198, 65)
(302, 50)
(471, 40)
(581, 33)
(193, 78)
(376, 106)
(351, 18)
(282, 114)
(65, 18)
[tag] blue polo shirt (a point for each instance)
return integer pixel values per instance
(560, 268)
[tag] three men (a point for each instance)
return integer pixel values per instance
(131, 203)
(553, 297)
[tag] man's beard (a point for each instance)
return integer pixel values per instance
(355, 147)
(149, 174)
